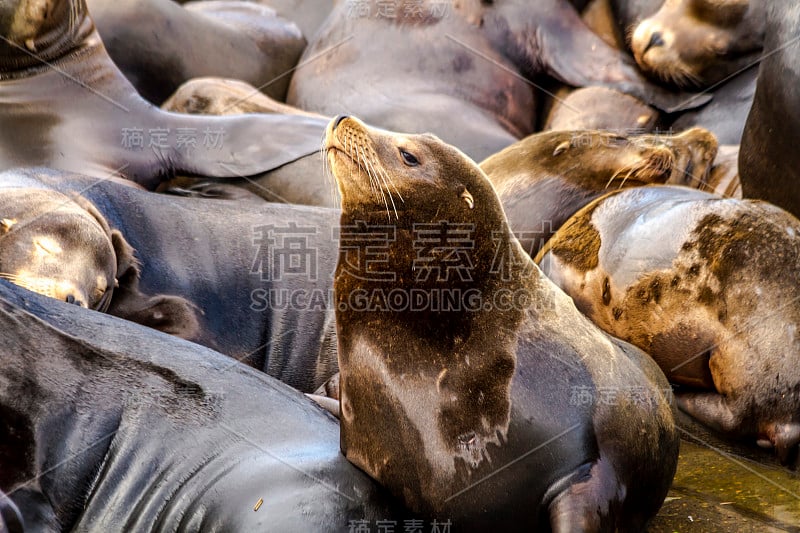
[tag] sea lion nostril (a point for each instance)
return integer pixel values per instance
(656, 39)
(70, 299)
(339, 120)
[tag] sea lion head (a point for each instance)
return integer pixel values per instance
(51, 245)
(35, 31)
(697, 43)
(62, 247)
(392, 176)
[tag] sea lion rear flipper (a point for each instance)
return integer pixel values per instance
(570, 52)
(583, 494)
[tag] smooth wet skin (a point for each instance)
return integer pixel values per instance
(231, 261)
(464, 393)
(109, 426)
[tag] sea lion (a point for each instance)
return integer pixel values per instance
(708, 287)
(62, 247)
(465, 410)
(627, 14)
(768, 160)
(464, 71)
(259, 275)
(65, 105)
(600, 108)
(547, 177)
(699, 43)
(108, 426)
(158, 44)
(220, 96)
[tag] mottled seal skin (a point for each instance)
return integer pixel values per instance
(229, 260)
(546, 178)
(62, 247)
(708, 287)
(158, 44)
(65, 105)
(768, 160)
(466, 413)
(699, 43)
(461, 74)
(108, 426)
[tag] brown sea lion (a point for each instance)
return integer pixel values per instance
(708, 287)
(546, 178)
(699, 43)
(464, 71)
(465, 410)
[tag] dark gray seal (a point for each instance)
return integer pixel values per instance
(708, 287)
(108, 426)
(65, 105)
(768, 160)
(465, 409)
(259, 275)
(460, 70)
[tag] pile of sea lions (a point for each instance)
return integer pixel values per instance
(450, 265)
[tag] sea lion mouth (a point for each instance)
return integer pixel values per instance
(348, 137)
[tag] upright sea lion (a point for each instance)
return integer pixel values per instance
(546, 178)
(65, 105)
(158, 44)
(768, 160)
(708, 287)
(62, 247)
(465, 71)
(107, 426)
(465, 409)
(259, 275)
(699, 43)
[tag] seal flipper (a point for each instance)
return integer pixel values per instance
(589, 501)
(708, 408)
(170, 314)
(245, 145)
(570, 52)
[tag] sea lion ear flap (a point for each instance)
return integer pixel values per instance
(170, 314)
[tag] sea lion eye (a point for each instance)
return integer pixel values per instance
(408, 158)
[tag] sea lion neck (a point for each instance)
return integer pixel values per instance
(34, 34)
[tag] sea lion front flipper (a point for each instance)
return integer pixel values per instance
(244, 145)
(170, 314)
(564, 47)
(708, 408)
(585, 492)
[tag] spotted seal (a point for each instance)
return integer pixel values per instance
(708, 287)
